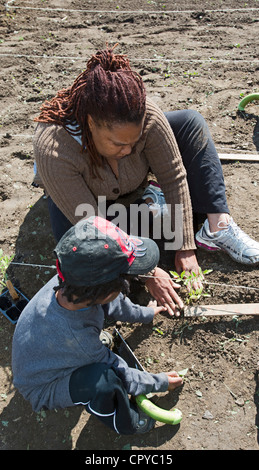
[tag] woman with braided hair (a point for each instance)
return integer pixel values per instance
(102, 136)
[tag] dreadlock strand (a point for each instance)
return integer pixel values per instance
(107, 90)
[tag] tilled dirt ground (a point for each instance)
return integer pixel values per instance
(200, 55)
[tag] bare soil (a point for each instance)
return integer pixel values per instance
(201, 55)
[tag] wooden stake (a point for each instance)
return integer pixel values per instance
(222, 309)
(12, 290)
(239, 157)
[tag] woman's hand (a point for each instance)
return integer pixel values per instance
(162, 288)
(187, 261)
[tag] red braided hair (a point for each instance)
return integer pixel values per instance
(108, 90)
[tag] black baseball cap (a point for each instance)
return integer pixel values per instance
(95, 251)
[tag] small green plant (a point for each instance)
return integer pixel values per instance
(191, 74)
(4, 263)
(237, 320)
(187, 279)
(183, 372)
(158, 331)
(181, 329)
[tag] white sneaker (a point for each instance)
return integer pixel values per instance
(106, 338)
(145, 423)
(232, 240)
(159, 206)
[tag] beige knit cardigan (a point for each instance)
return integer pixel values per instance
(64, 169)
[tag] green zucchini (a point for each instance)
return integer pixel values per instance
(247, 99)
(173, 416)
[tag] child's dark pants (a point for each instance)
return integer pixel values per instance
(100, 390)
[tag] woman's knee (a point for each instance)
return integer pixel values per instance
(195, 118)
(185, 119)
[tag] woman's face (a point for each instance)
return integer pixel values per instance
(117, 141)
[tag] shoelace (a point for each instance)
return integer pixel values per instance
(239, 235)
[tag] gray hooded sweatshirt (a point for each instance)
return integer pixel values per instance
(50, 342)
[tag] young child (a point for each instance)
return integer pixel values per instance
(58, 358)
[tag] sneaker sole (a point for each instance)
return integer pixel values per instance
(206, 247)
(211, 248)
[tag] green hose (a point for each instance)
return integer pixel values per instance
(173, 416)
(246, 100)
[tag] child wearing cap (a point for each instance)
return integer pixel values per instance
(58, 359)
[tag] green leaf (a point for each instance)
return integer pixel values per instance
(174, 274)
(160, 332)
(207, 271)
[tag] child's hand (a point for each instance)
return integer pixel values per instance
(174, 380)
(157, 310)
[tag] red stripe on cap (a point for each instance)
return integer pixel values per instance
(122, 238)
(59, 272)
